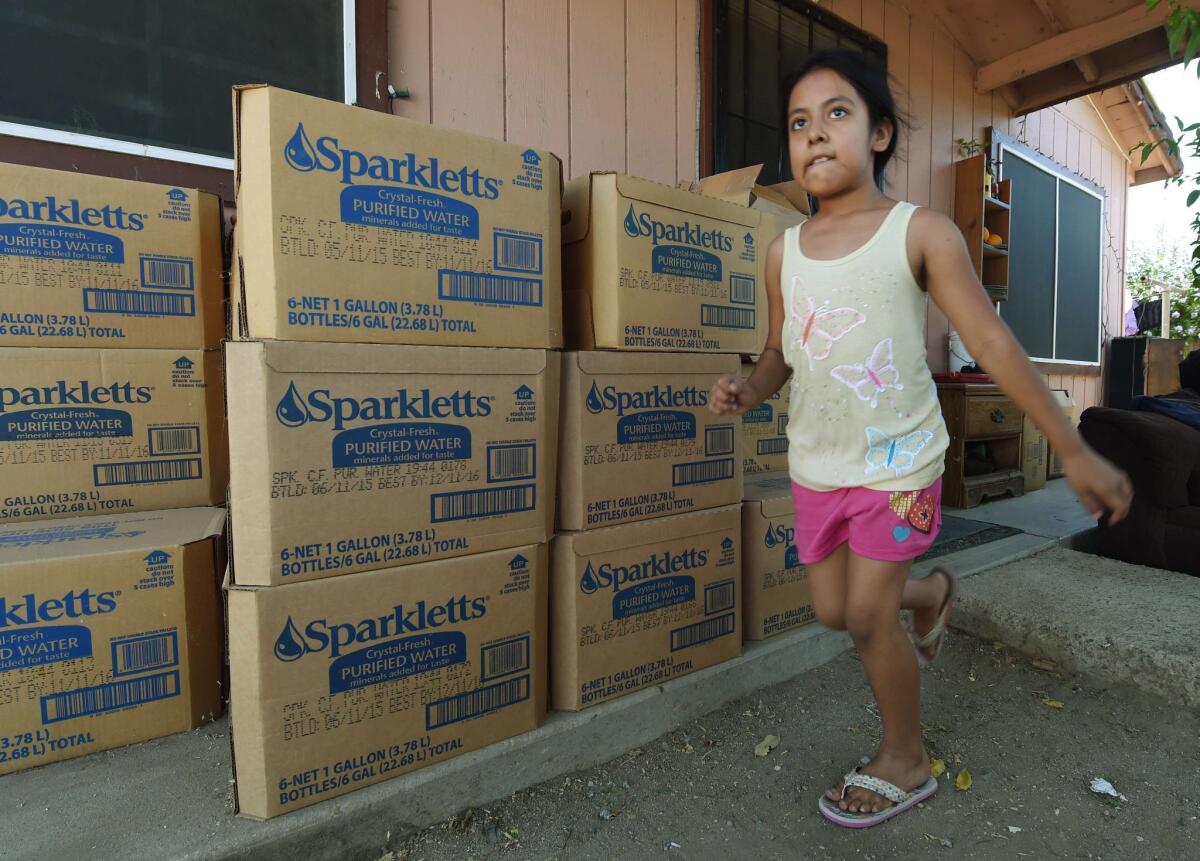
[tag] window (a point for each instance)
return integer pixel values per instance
(1055, 258)
(153, 78)
(757, 43)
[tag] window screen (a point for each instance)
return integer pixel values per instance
(1055, 284)
(757, 43)
(159, 73)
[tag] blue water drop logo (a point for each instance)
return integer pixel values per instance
(289, 645)
(588, 582)
(771, 540)
(593, 401)
(291, 410)
(299, 152)
(631, 224)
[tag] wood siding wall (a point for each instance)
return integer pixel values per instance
(604, 84)
(612, 84)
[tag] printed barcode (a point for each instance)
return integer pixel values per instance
(465, 504)
(182, 439)
(718, 440)
(517, 253)
(138, 654)
(139, 303)
(146, 471)
(502, 659)
(781, 424)
(166, 272)
(773, 445)
(702, 471)
(484, 287)
(718, 597)
(701, 632)
(477, 702)
(510, 462)
(724, 317)
(741, 289)
(109, 697)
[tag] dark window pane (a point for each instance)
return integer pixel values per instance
(160, 73)
(749, 124)
(763, 146)
(1030, 306)
(1078, 275)
(823, 38)
(735, 141)
(762, 61)
(735, 62)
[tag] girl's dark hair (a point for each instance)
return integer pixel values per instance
(869, 79)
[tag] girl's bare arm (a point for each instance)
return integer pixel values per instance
(731, 396)
(950, 278)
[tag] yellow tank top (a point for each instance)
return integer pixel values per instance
(864, 410)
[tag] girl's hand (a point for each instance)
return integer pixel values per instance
(1101, 487)
(731, 396)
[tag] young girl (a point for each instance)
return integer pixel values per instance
(846, 299)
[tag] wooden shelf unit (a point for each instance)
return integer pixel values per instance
(975, 209)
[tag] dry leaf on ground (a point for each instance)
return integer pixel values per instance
(768, 744)
(964, 781)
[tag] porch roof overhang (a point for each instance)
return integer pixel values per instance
(1038, 53)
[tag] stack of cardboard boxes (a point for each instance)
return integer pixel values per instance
(393, 413)
(111, 305)
(646, 568)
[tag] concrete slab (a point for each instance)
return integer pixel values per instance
(985, 556)
(176, 801)
(1117, 622)
(1052, 512)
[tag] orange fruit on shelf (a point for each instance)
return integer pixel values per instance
(995, 239)
(986, 234)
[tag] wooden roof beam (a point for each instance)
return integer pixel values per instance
(1071, 45)
(1043, 97)
(1085, 64)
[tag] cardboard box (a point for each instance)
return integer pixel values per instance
(782, 205)
(764, 431)
(351, 457)
(637, 605)
(650, 267)
(638, 440)
(1034, 455)
(1065, 401)
(774, 586)
(110, 632)
(358, 226)
(87, 432)
(88, 261)
(338, 684)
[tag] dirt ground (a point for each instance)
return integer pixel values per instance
(701, 793)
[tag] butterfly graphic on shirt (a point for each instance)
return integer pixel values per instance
(874, 377)
(817, 328)
(897, 453)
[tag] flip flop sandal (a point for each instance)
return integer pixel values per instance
(936, 636)
(901, 800)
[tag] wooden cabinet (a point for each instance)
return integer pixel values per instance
(984, 459)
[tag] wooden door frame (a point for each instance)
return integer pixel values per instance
(371, 63)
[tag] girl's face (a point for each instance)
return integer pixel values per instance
(831, 142)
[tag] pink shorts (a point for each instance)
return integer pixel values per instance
(877, 524)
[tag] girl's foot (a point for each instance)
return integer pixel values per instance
(923, 620)
(906, 773)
